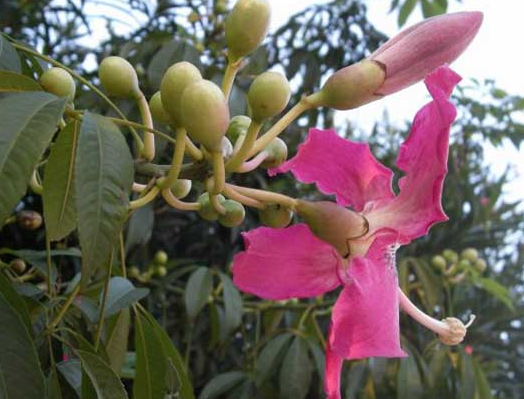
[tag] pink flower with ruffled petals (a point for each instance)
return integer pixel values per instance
(293, 262)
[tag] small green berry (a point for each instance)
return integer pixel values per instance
(463, 264)
(438, 262)
(238, 127)
(470, 254)
(277, 153)
(58, 82)
(29, 220)
(234, 216)
(181, 188)
(18, 265)
(480, 265)
(118, 77)
(207, 211)
(205, 114)
(450, 255)
(175, 81)
(268, 95)
(157, 109)
(133, 272)
(275, 216)
(246, 27)
(161, 271)
(160, 258)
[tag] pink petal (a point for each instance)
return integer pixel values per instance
(423, 157)
(341, 167)
(415, 52)
(285, 263)
(334, 364)
(366, 315)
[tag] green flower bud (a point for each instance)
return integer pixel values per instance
(29, 220)
(220, 6)
(160, 258)
(268, 95)
(207, 211)
(450, 255)
(277, 153)
(157, 109)
(59, 82)
(438, 262)
(118, 77)
(205, 114)
(133, 272)
(275, 216)
(234, 216)
(470, 254)
(350, 87)
(176, 79)
(480, 265)
(160, 271)
(463, 264)
(227, 149)
(332, 223)
(246, 27)
(18, 265)
(238, 127)
(181, 188)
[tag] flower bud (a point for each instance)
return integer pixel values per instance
(227, 149)
(463, 265)
(480, 265)
(118, 77)
(207, 211)
(438, 262)
(175, 81)
(470, 254)
(275, 216)
(161, 271)
(160, 258)
(234, 216)
(29, 220)
(59, 82)
(18, 265)
(157, 109)
(246, 27)
(205, 114)
(277, 153)
(238, 126)
(181, 188)
(268, 95)
(332, 223)
(133, 272)
(450, 255)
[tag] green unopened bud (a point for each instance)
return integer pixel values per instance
(226, 148)
(463, 264)
(480, 265)
(160, 258)
(350, 87)
(207, 210)
(160, 271)
(470, 254)
(181, 188)
(118, 77)
(58, 82)
(220, 6)
(234, 216)
(18, 265)
(277, 153)
(238, 127)
(246, 27)
(275, 216)
(29, 220)
(175, 81)
(205, 114)
(158, 112)
(133, 272)
(438, 262)
(268, 95)
(332, 223)
(450, 255)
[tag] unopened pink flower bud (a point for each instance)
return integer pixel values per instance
(413, 53)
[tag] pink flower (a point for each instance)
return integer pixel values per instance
(293, 262)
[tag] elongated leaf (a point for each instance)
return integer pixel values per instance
(20, 372)
(16, 302)
(53, 386)
(232, 304)
(9, 59)
(271, 355)
(122, 294)
(71, 370)
(222, 383)
(139, 227)
(409, 381)
(151, 363)
(318, 358)
(483, 389)
(58, 195)
(467, 377)
(27, 124)
(295, 374)
(104, 176)
(12, 81)
(105, 382)
(497, 290)
(405, 11)
(117, 335)
(198, 288)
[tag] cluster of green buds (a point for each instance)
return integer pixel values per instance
(156, 268)
(456, 267)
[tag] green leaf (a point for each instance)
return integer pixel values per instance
(106, 383)
(104, 176)
(356, 380)
(270, 357)
(151, 363)
(122, 294)
(232, 304)
(295, 374)
(409, 380)
(27, 124)
(431, 284)
(58, 195)
(198, 289)
(20, 372)
(9, 59)
(497, 290)
(222, 383)
(53, 386)
(483, 388)
(467, 377)
(16, 302)
(117, 335)
(139, 227)
(405, 11)
(72, 372)
(318, 358)
(12, 81)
